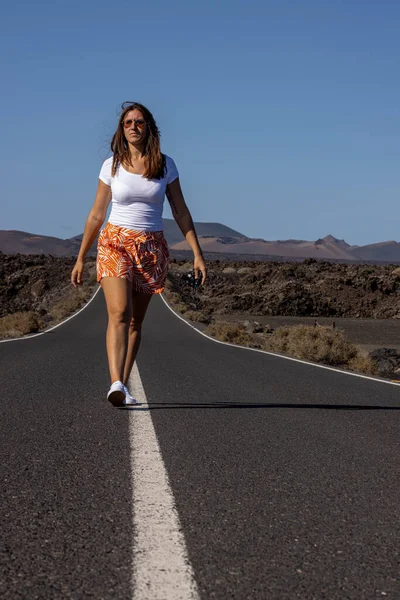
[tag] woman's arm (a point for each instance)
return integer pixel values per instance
(93, 224)
(184, 220)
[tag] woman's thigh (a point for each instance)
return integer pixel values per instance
(118, 295)
(140, 303)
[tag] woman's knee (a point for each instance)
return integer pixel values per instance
(120, 315)
(118, 292)
(135, 324)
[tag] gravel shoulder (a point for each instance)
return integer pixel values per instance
(368, 334)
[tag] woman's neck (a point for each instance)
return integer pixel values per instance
(137, 152)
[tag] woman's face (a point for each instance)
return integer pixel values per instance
(135, 127)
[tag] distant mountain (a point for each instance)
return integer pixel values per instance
(174, 235)
(21, 242)
(216, 239)
(327, 248)
(383, 251)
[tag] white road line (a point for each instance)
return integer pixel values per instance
(161, 568)
(299, 360)
(28, 337)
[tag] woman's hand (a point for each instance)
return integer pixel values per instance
(77, 273)
(200, 265)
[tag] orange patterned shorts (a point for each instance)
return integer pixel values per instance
(139, 256)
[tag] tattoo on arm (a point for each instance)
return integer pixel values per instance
(172, 203)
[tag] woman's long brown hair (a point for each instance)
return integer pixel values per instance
(155, 160)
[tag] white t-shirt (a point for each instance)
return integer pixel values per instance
(137, 202)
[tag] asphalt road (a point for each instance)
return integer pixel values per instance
(285, 476)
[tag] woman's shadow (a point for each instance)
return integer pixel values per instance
(246, 405)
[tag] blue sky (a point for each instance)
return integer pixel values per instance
(283, 116)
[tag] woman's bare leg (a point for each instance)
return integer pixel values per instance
(140, 303)
(118, 295)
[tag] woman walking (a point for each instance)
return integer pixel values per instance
(132, 253)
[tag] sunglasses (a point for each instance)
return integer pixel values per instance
(140, 123)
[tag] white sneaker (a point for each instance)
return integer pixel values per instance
(128, 398)
(116, 394)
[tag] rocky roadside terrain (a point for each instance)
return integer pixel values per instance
(35, 291)
(247, 294)
(310, 288)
